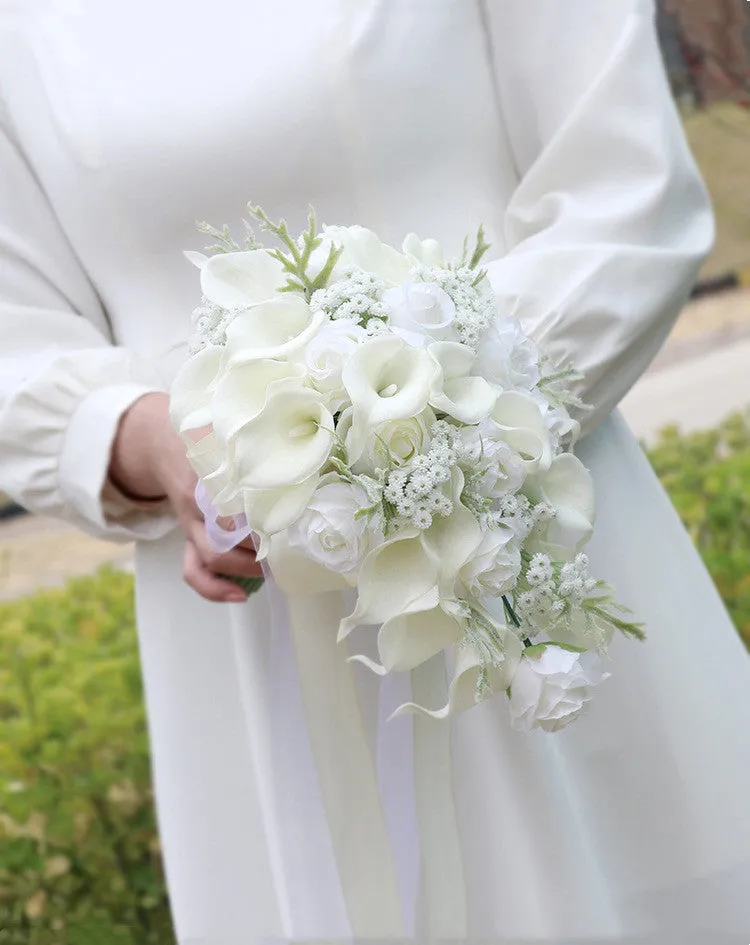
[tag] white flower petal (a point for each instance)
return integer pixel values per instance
(393, 576)
(199, 260)
(520, 424)
(426, 252)
(241, 392)
(272, 329)
(421, 307)
(454, 390)
(286, 443)
(190, 400)
(386, 380)
(238, 280)
(550, 689)
(364, 250)
(462, 693)
(568, 486)
(270, 510)
(453, 539)
(411, 638)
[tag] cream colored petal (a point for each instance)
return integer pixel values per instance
(272, 329)
(453, 539)
(521, 424)
(468, 399)
(462, 693)
(241, 392)
(411, 638)
(190, 400)
(270, 510)
(286, 443)
(364, 249)
(386, 379)
(238, 280)
(454, 390)
(428, 252)
(392, 577)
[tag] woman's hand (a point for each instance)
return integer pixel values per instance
(148, 463)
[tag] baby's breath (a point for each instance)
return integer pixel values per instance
(357, 296)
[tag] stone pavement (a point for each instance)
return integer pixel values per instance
(702, 375)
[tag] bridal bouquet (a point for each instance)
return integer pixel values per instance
(380, 426)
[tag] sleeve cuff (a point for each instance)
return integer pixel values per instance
(84, 463)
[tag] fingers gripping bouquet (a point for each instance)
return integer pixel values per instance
(379, 425)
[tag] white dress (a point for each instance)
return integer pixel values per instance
(289, 809)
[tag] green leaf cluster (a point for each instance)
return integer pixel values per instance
(707, 476)
(79, 853)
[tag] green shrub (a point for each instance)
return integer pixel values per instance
(79, 856)
(707, 476)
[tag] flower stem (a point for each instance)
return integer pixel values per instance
(248, 584)
(514, 619)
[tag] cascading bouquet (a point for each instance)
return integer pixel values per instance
(379, 425)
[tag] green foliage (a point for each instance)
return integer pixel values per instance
(79, 855)
(707, 476)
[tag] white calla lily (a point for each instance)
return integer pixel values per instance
(190, 399)
(273, 329)
(270, 511)
(453, 539)
(416, 635)
(241, 392)
(239, 280)
(462, 693)
(288, 442)
(454, 390)
(363, 249)
(569, 488)
(385, 379)
(420, 308)
(519, 422)
(212, 463)
(395, 576)
(199, 260)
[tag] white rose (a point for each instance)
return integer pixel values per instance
(239, 280)
(420, 309)
(559, 422)
(329, 530)
(494, 567)
(396, 442)
(363, 249)
(501, 469)
(550, 689)
(327, 353)
(507, 357)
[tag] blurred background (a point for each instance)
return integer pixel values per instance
(79, 852)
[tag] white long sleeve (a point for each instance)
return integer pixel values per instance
(610, 221)
(63, 384)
